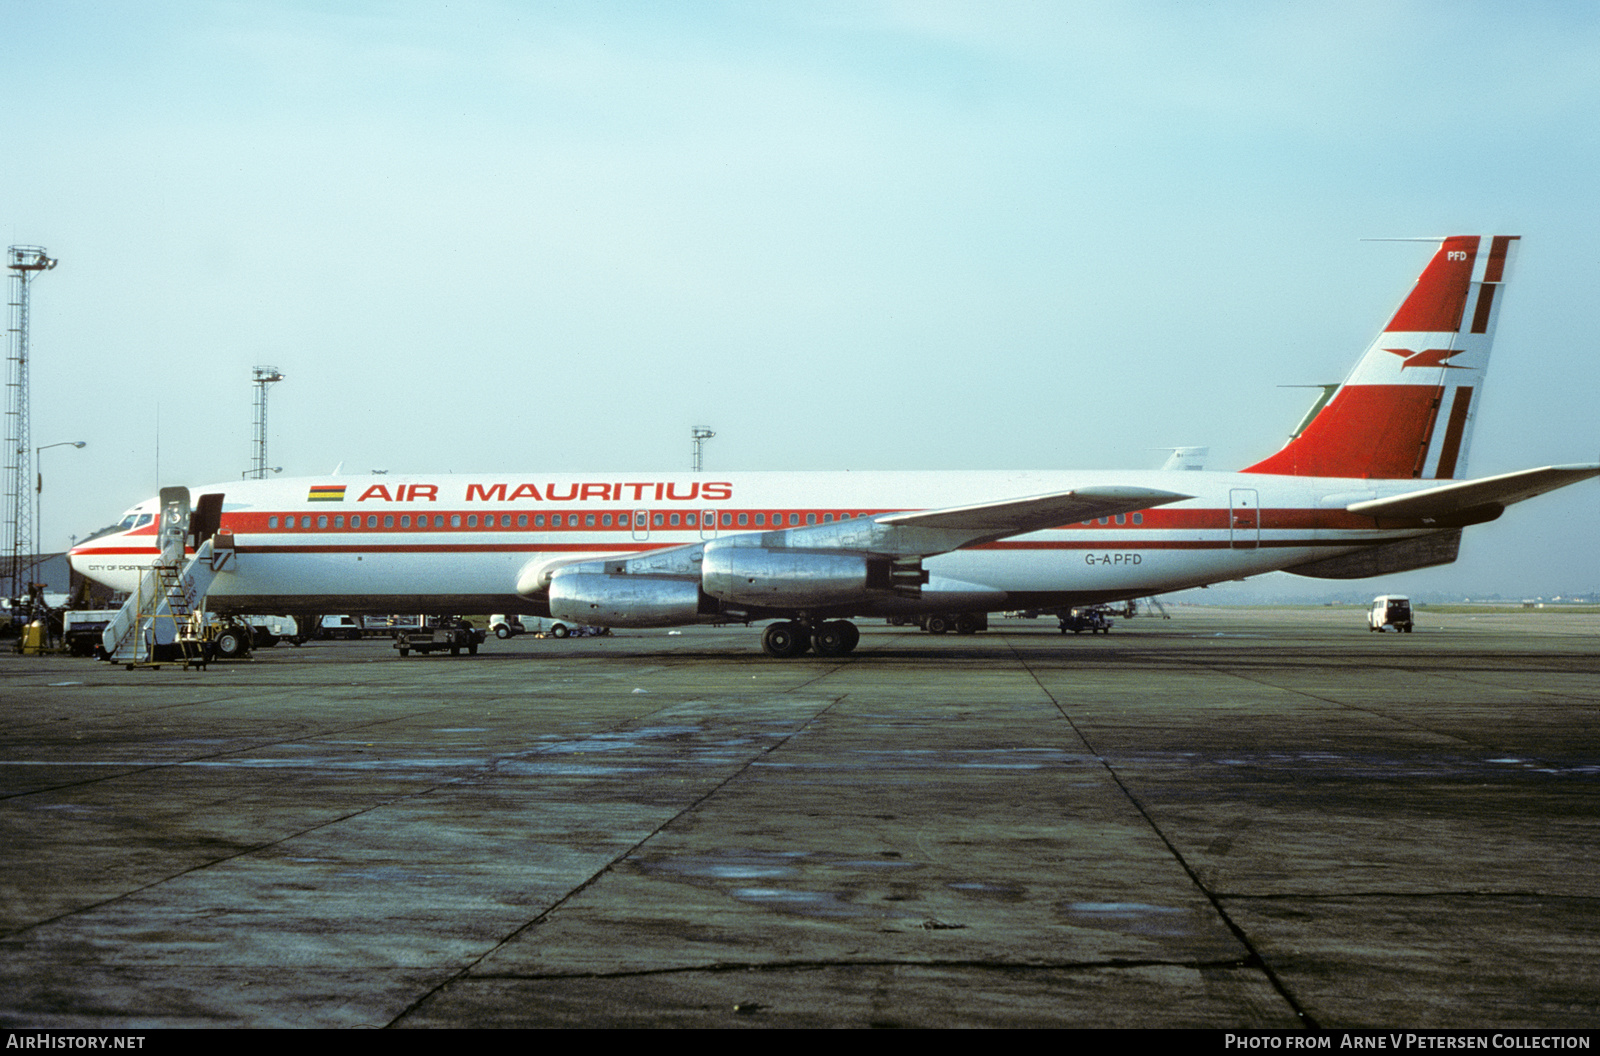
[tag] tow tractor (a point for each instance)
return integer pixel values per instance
(441, 632)
(1094, 620)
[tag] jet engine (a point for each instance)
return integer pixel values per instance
(625, 601)
(788, 579)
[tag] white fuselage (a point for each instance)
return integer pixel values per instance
(462, 543)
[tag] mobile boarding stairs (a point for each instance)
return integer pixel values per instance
(164, 621)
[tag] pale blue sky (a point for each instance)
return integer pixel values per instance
(487, 236)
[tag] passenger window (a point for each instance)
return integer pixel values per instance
(472, 521)
(372, 520)
(522, 520)
(555, 520)
(588, 520)
(659, 520)
(538, 520)
(690, 520)
(794, 518)
(438, 520)
(622, 519)
(605, 520)
(674, 520)
(405, 522)
(727, 520)
(1138, 518)
(455, 520)
(827, 518)
(338, 522)
(272, 522)
(761, 518)
(388, 520)
(1121, 519)
(322, 522)
(744, 519)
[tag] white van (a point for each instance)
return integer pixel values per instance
(1390, 610)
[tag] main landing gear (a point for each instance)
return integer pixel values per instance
(788, 638)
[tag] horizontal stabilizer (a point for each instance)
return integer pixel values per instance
(1450, 500)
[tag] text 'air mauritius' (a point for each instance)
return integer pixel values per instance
(587, 491)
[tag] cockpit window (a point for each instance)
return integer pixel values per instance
(144, 519)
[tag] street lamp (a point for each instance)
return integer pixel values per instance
(38, 487)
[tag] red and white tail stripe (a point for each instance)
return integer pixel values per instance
(1407, 408)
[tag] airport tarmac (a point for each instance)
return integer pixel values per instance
(1233, 818)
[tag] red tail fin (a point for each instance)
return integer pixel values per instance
(1429, 362)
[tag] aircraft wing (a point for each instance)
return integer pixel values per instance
(901, 535)
(925, 533)
(988, 521)
(1467, 496)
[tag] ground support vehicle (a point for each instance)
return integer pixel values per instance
(339, 627)
(81, 630)
(1095, 621)
(507, 625)
(510, 625)
(1390, 610)
(943, 622)
(268, 631)
(441, 632)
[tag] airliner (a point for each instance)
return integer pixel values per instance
(1372, 482)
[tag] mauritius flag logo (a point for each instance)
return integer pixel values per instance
(326, 493)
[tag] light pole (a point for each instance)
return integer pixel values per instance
(38, 486)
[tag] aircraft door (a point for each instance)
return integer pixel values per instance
(1244, 519)
(206, 518)
(641, 524)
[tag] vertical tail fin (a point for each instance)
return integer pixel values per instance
(1407, 408)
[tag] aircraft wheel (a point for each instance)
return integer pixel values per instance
(937, 625)
(834, 638)
(230, 645)
(784, 639)
(852, 636)
(559, 631)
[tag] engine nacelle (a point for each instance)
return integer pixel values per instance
(748, 575)
(607, 600)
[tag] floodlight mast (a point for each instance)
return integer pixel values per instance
(262, 377)
(25, 262)
(700, 434)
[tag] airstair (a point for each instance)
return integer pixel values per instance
(161, 622)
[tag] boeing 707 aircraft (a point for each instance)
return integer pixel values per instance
(1373, 483)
